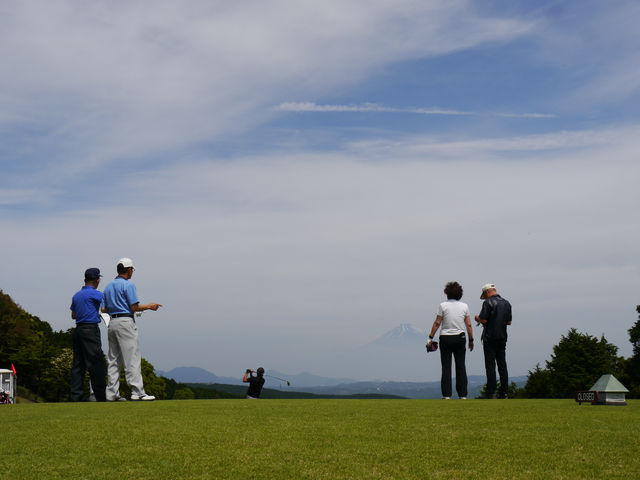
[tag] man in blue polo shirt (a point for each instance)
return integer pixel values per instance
(87, 345)
(121, 302)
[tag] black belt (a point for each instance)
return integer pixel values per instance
(117, 315)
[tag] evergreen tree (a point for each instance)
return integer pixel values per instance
(631, 376)
(171, 386)
(55, 383)
(538, 383)
(31, 345)
(577, 362)
(184, 393)
(153, 384)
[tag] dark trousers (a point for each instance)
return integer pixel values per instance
(495, 354)
(453, 345)
(87, 355)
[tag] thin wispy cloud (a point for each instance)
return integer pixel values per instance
(304, 107)
(416, 147)
(367, 107)
(521, 115)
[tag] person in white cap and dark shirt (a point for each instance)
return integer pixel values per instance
(494, 316)
(121, 303)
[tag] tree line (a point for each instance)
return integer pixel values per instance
(43, 360)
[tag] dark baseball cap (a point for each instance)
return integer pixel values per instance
(92, 274)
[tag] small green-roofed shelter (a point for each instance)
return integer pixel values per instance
(610, 391)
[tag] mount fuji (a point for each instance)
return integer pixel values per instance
(403, 335)
(398, 355)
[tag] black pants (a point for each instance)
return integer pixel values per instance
(87, 355)
(495, 353)
(453, 344)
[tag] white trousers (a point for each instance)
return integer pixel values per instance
(124, 349)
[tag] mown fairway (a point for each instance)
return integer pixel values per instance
(320, 439)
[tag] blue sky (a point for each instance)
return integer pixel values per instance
(292, 181)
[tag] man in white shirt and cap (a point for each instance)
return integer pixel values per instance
(121, 303)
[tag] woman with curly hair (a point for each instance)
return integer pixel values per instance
(453, 316)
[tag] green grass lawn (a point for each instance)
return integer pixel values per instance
(275, 439)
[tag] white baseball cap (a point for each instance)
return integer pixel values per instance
(126, 262)
(488, 286)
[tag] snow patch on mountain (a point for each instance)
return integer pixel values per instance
(403, 335)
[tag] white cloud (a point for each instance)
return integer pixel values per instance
(367, 107)
(427, 148)
(375, 108)
(525, 115)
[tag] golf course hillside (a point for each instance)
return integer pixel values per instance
(314, 439)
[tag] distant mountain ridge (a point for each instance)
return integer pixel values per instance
(306, 379)
(406, 389)
(197, 375)
(200, 375)
(306, 382)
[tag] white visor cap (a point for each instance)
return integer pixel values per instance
(125, 262)
(488, 286)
